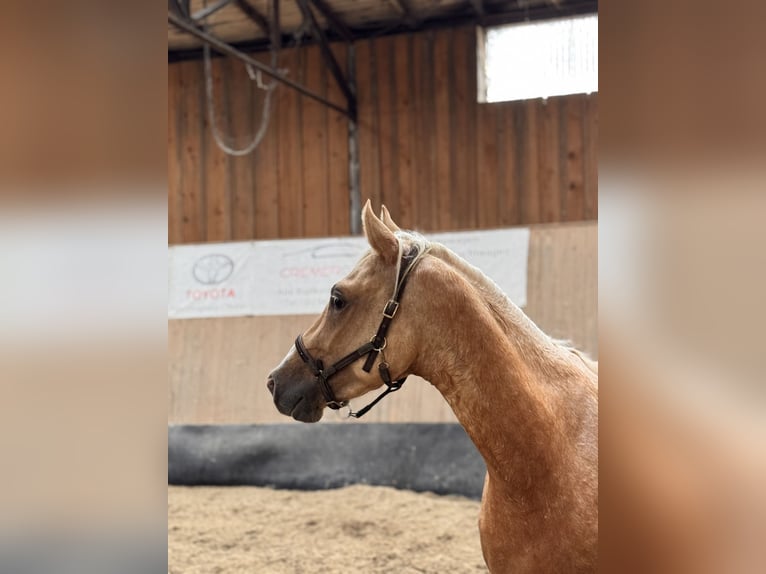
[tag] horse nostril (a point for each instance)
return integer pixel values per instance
(270, 384)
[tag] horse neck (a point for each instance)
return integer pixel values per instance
(511, 386)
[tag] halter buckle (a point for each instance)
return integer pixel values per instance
(390, 309)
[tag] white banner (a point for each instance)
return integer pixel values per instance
(211, 280)
(294, 276)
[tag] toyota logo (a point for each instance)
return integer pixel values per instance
(213, 269)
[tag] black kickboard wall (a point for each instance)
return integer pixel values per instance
(436, 458)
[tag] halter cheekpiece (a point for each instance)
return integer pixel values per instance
(371, 350)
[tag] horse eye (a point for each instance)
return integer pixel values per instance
(337, 302)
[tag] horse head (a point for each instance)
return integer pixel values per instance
(355, 345)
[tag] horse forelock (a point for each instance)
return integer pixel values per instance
(409, 242)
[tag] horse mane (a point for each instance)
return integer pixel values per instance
(584, 357)
(507, 314)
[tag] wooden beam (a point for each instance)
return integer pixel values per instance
(329, 57)
(541, 12)
(405, 10)
(258, 18)
(276, 29)
(207, 11)
(335, 21)
(478, 7)
(180, 7)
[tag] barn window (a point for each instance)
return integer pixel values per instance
(539, 59)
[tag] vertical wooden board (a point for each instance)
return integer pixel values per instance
(503, 153)
(215, 172)
(561, 172)
(526, 126)
(463, 129)
(217, 368)
(265, 164)
(591, 157)
(563, 283)
(573, 202)
(337, 170)
(387, 128)
(290, 152)
(487, 160)
(183, 373)
(471, 98)
(192, 159)
(548, 153)
(403, 146)
(175, 174)
(509, 204)
(243, 127)
(375, 189)
(186, 358)
(194, 355)
(367, 91)
(520, 153)
(442, 134)
(422, 109)
(314, 148)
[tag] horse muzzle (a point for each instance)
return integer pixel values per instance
(296, 398)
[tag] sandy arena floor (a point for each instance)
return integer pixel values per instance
(364, 529)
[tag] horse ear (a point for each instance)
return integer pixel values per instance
(385, 217)
(380, 237)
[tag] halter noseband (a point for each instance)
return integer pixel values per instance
(371, 349)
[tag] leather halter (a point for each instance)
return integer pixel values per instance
(371, 349)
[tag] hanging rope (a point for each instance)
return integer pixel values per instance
(265, 112)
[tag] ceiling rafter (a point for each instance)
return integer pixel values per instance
(191, 27)
(405, 10)
(258, 18)
(328, 56)
(335, 21)
(392, 18)
(478, 7)
(211, 9)
(179, 7)
(276, 31)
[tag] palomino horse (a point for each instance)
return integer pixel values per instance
(529, 403)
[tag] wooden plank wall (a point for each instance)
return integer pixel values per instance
(437, 158)
(442, 161)
(294, 184)
(218, 367)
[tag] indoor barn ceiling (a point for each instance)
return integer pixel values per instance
(246, 22)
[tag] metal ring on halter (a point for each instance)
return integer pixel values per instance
(336, 405)
(379, 349)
